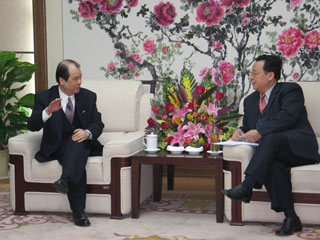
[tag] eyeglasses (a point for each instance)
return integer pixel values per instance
(254, 74)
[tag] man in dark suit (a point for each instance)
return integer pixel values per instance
(275, 116)
(71, 125)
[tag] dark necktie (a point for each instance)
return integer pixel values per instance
(262, 103)
(69, 110)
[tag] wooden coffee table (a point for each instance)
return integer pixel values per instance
(164, 158)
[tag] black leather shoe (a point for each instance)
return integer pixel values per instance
(61, 185)
(239, 193)
(289, 226)
(80, 218)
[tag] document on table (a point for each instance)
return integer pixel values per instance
(234, 143)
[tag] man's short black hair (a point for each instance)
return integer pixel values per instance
(63, 69)
(272, 63)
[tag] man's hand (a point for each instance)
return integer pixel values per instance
(54, 106)
(80, 135)
(236, 136)
(251, 136)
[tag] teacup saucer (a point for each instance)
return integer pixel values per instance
(152, 150)
(215, 152)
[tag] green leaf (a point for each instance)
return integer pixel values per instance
(27, 100)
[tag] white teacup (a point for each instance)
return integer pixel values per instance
(151, 141)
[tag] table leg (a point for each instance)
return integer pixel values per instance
(219, 186)
(157, 182)
(170, 177)
(135, 188)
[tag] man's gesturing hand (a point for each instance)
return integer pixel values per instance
(54, 106)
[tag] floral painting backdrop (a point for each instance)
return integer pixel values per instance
(216, 40)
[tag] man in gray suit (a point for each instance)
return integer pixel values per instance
(71, 125)
(275, 116)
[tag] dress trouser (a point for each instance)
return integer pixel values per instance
(73, 157)
(270, 166)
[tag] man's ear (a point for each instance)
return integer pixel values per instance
(61, 81)
(271, 76)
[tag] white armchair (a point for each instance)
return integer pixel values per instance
(305, 179)
(125, 107)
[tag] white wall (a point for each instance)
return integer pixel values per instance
(16, 32)
(54, 38)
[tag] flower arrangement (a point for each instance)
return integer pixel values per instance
(188, 113)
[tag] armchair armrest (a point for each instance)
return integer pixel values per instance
(239, 153)
(26, 145)
(125, 145)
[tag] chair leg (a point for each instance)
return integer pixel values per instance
(116, 165)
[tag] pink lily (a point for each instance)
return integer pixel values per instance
(208, 128)
(193, 130)
(212, 109)
(181, 113)
(178, 137)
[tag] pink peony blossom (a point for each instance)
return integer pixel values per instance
(210, 13)
(149, 46)
(136, 57)
(111, 6)
(227, 3)
(296, 75)
(136, 74)
(290, 41)
(245, 20)
(127, 52)
(178, 44)
(111, 65)
(242, 3)
(312, 39)
(131, 65)
(165, 13)
(87, 9)
(216, 45)
(164, 49)
(205, 72)
(295, 3)
(97, 1)
(124, 76)
(216, 78)
(227, 72)
(118, 53)
(133, 3)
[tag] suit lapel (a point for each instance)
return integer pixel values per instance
(273, 95)
(81, 108)
(255, 109)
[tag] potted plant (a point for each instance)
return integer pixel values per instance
(14, 110)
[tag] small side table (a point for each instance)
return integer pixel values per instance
(162, 158)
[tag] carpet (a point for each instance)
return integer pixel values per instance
(176, 217)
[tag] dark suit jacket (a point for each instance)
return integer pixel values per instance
(284, 113)
(86, 110)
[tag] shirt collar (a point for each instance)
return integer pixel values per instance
(64, 97)
(268, 93)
